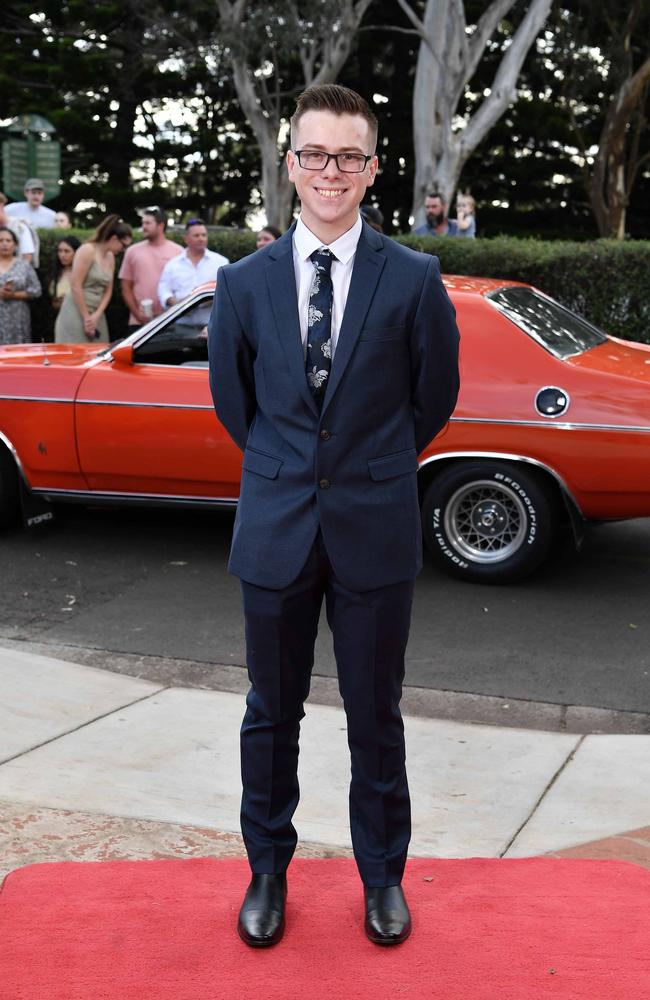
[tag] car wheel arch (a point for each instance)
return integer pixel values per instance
(435, 464)
(11, 475)
(437, 472)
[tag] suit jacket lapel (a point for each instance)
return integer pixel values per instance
(281, 282)
(368, 265)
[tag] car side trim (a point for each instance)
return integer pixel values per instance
(157, 406)
(510, 458)
(109, 402)
(563, 426)
(38, 399)
(116, 496)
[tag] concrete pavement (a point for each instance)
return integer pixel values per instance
(99, 765)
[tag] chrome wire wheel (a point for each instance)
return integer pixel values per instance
(485, 521)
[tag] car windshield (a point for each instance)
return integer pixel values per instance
(559, 330)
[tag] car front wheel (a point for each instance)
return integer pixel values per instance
(488, 521)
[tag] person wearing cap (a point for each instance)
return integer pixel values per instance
(142, 266)
(33, 211)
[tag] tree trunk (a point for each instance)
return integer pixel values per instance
(447, 60)
(330, 53)
(278, 190)
(611, 180)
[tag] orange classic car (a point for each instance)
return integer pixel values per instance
(552, 425)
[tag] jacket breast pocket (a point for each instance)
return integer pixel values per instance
(261, 464)
(389, 466)
(380, 333)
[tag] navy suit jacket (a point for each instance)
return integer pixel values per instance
(352, 468)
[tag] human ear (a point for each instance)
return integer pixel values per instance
(291, 164)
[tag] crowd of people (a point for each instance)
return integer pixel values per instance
(155, 272)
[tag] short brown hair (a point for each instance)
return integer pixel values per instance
(157, 214)
(338, 100)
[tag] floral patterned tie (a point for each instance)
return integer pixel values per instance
(318, 361)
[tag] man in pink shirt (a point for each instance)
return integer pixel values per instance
(142, 266)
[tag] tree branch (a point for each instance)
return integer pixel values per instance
(393, 28)
(485, 28)
(414, 19)
(504, 86)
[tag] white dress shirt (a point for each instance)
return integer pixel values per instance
(180, 276)
(344, 249)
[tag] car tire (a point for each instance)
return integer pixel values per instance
(488, 521)
(9, 490)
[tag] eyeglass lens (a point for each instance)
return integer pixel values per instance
(348, 163)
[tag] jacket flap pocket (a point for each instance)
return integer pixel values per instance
(263, 465)
(399, 464)
(382, 333)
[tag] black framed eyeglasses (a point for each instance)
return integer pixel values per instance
(318, 159)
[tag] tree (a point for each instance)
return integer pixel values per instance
(449, 54)
(111, 77)
(276, 51)
(606, 56)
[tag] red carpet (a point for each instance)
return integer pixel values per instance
(483, 930)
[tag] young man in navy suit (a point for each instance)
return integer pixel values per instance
(333, 363)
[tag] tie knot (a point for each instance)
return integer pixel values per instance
(322, 260)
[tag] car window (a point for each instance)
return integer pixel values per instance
(181, 341)
(556, 328)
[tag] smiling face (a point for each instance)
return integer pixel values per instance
(329, 197)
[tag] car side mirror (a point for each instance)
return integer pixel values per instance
(122, 354)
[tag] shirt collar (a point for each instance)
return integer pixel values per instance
(185, 253)
(343, 248)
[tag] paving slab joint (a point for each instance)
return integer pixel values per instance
(561, 769)
(83, 725)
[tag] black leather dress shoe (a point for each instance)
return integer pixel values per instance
(388, 920)
(261, 918)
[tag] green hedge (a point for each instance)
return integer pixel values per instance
(604, 280)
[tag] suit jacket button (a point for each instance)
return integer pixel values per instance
(324, 484)
(325, 435)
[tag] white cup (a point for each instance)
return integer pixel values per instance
(147, 307)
